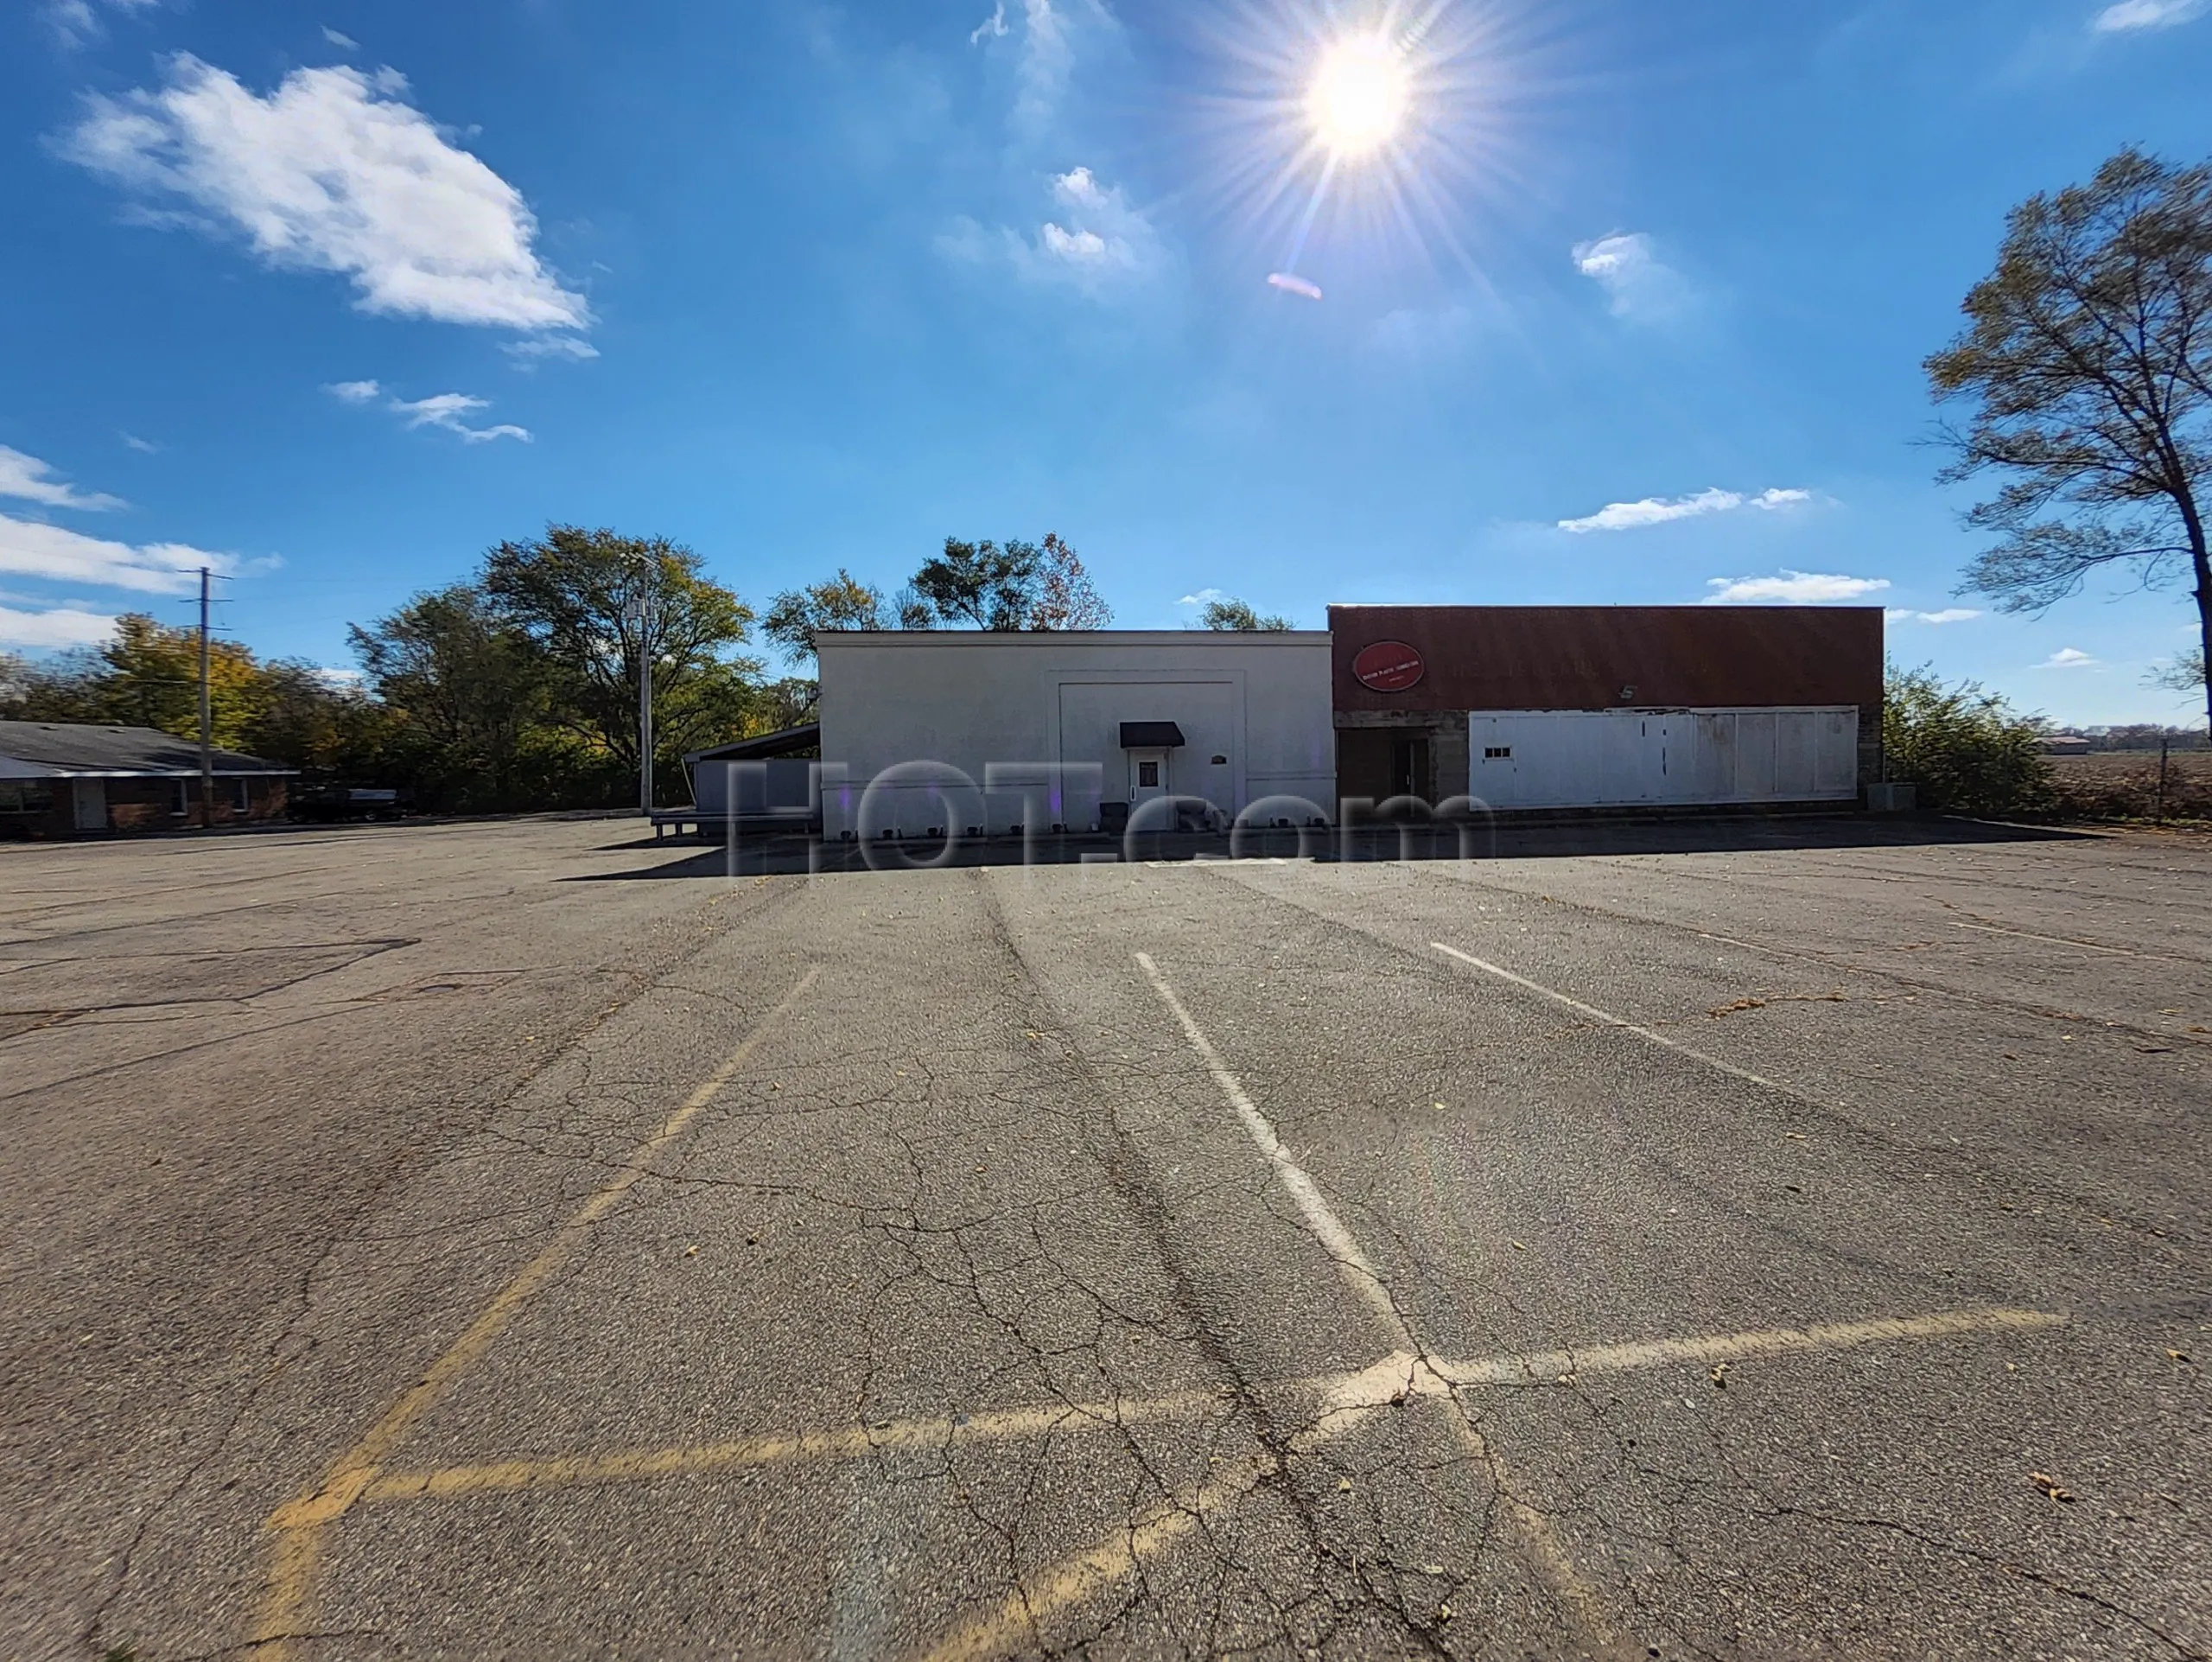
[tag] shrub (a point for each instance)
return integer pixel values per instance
(1968, 750)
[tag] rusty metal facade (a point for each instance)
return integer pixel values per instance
(1615, 657)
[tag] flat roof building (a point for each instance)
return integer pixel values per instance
(957, 730)
(1461, 707)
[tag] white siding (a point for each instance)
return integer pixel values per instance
(1033, 723)
(1622, 758)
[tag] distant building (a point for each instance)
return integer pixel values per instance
(63, 779)
(2064, 744)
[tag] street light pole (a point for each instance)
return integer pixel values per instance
(645, 719)
(206, 718)
(644, 614)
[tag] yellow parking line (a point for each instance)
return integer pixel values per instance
(851, 1443)
(297, 1524)
(1549, 1365)
(1016, 1622)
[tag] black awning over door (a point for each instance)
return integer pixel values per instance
(1151, 735)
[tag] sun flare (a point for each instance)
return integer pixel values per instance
(1359, 96)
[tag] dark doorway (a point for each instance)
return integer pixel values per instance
(1409, 772)
(1380, 763)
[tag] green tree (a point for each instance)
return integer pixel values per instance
(1967, 749)
(797, 615)
(776, 705)
(464, 688)
(980, 584)
(1237, 615)
(577, 595)
(2086, 370)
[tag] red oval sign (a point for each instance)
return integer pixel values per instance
(1387, 666)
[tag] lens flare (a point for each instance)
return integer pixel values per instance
(1359, 96)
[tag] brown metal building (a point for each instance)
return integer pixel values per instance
(1700, 703)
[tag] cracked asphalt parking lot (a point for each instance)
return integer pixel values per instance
(429, 1241)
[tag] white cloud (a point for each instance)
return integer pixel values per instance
(345, 680)
(29, 480)
(1791, 589)
(77, 22)
(993, 26)
(52, 630)
(1949, 614)
(30, 549)
(441, 410)
(1077, 247)
(1100, 244)
(2146, 14)
(1079, 187)
(1047, 58)
(1639, 286)
(343, 42)
(2069, 657)
(335, 171)
(144, 446)
(534, 347)
(1204, 597)
(446, 410)
(1658, 510)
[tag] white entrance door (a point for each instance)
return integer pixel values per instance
(90, 799)
(1149, 772)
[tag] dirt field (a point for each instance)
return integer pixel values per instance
(2124, 785)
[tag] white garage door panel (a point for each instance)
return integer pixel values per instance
(1622, 758)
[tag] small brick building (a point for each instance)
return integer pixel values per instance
(73, 779)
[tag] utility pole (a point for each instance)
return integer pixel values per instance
(206, 718)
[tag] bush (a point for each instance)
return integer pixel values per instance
(1967, 749)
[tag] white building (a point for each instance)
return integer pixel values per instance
(940, 731)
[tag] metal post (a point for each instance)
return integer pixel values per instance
(206, 718)
(646, 718)
(643, 615)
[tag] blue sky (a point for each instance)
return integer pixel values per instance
(1631, 310)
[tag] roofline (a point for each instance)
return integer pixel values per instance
(1702, 607)
(53, 770)
(924, 638)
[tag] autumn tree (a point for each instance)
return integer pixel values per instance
(1063, 595)
(2085, 377)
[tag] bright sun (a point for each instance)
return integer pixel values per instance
(1359, 95)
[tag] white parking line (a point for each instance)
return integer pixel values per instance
(1358, 1273)
(1410, 1363)
(1621, 1022)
